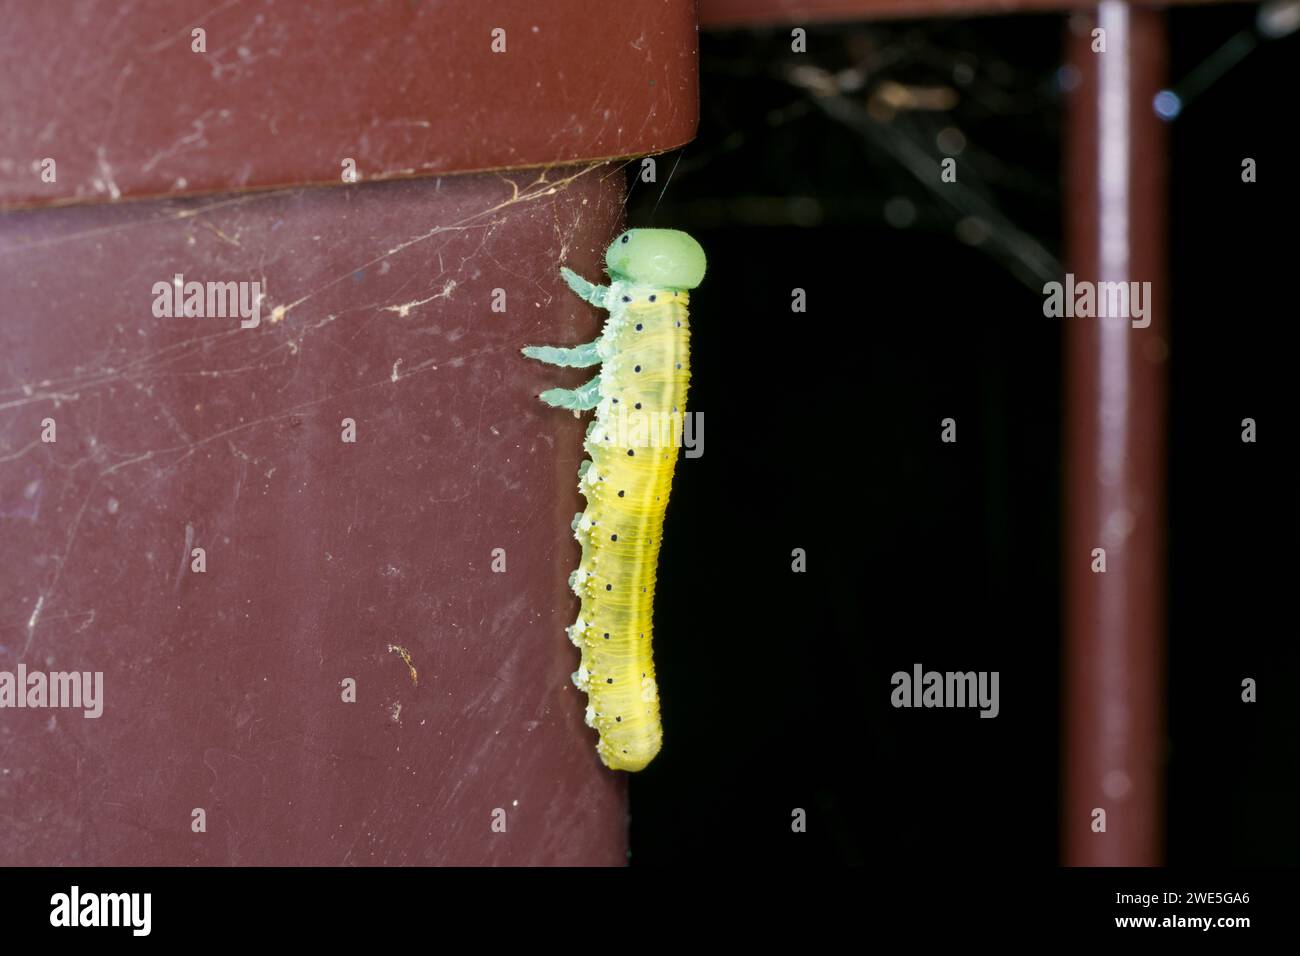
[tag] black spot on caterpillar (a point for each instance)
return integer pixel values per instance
(644, 356)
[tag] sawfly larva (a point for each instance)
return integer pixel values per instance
(640, 399)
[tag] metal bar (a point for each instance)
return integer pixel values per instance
(736, 13)
(1115, 407)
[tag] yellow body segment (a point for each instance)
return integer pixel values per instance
(633, 445)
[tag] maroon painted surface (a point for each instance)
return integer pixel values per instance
(1115, 400)
(286, 91)
(736, 13)
(222, 689)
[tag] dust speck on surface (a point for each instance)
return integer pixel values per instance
(406, 658)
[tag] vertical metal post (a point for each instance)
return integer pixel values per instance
(1115, 406)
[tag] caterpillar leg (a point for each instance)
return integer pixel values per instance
(595, 294)
(579, 399)
(580, 356)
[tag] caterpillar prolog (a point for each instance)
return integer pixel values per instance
(640, 399)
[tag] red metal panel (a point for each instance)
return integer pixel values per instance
(1115, 457)
(735, 13)
(285, 92)
(325, 560)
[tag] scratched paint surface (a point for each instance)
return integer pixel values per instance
(325, 560)
(283, 92)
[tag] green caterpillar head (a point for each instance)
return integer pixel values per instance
(659, 257)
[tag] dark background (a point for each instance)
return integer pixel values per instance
(823, 432)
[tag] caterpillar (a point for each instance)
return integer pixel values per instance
(639, 396)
